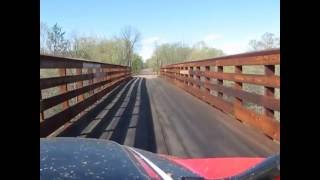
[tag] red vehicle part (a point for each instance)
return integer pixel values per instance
(62, 158)
(233, 168)
(215, 168)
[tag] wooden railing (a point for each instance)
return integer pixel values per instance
(197, 78)
(90, 80)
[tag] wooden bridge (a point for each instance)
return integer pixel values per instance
(193, 109)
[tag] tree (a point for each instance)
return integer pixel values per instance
(43, 37)
(137, 63)
(116, 50)
(201, 51)
(268, 41)
(170, 53)
(82, 47)
(56, 42)
(130, 37)
(103, 50)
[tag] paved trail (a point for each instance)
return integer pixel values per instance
(149, 113)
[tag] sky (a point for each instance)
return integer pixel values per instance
(224, 24)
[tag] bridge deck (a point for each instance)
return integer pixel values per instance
(149, 113)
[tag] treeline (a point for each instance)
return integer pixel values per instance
(119, 49)
(180, 52)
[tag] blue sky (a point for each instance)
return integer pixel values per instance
(223, 24)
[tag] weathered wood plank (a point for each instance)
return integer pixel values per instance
(265, 101)
(266, 124)
(55, 100)
(56, 62)
(269, 81)
(55, 81)
(268, 57)
(52, 123)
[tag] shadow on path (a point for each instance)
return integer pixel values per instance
(124, 116)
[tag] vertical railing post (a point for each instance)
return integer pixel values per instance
(175, 74)
(112, 75)
(64, 88)
(90, 81)
(107, 70)
(105, 76)
(238, 85)
(207, 79)
(79, 84)
(101, 78)
(269, 91)
(186, 76)
(181, 75)
(41, 112)
(198, 77)
(220, 81)
(95, 79)
(191, 76)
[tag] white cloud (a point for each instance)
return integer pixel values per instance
(148, 46)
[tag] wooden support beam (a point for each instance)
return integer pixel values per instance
(79, 85)
(238, 85)
(207, 68)
(64, 88)
(269, 91)
(220, 81)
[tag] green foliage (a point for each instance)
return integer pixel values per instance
(105, 50)
(202, 51)
(179, 52)
(137, 64)
(130, 37)
(116, 50)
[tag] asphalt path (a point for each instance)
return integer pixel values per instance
(148, 112)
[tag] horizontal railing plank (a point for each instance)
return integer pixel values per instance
(52, 123)
(49, 62)
(56, 81)
(55, 100)
(268, 57)
(178, 75)
(269, 126)
(269, 81)
(212, 100)
(261, 100)
(106, 74)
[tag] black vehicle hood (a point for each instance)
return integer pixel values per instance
(77, 158)
(83, 158)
